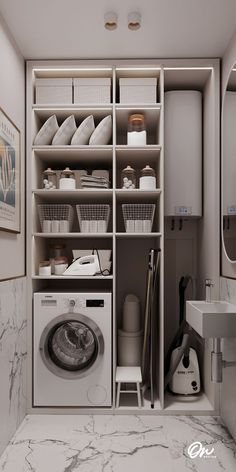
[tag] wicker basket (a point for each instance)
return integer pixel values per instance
(93, 218)
(138, 218)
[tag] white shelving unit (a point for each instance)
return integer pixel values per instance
(114, 157)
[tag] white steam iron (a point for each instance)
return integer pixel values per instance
(86, 265)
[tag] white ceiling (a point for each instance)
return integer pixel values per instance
(73, 29)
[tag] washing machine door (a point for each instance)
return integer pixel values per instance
(71, 346)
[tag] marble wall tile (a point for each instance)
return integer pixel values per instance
(228, 389)
(12, 357)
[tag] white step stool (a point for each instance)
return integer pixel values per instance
(128, 375)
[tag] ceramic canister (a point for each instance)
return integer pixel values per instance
(147, 183)
(66, 184)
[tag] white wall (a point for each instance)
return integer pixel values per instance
(12, 257)
(228, 290)
(12, 101)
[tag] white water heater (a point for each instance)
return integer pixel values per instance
(183, 153)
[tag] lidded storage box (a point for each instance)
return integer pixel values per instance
(140, 90)
(53, 91)
(92, 90)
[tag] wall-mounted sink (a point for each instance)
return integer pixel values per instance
(216, 319)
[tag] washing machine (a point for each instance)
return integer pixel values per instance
(72, 349)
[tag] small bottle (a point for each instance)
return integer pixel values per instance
(137, 134)
(147, 179)
(128, 178)
(67, 179)
(49, 179)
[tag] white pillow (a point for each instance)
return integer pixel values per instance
(65, 132)
(103, 132)
(84, 131)
(46, 133)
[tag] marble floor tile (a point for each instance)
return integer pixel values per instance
(115, 443)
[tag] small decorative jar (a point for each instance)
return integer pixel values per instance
(128, 178)
(45, 268)
(49, 179)
(67, 179)
(60, 265)
(56, 252)
(137, 134)
(147, 179)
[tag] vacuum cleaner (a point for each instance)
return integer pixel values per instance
(183, 377)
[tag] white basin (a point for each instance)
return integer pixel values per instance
(216, 319)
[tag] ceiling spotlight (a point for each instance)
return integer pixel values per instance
(134, 20)
(110, 20)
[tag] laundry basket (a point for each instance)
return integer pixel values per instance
(93, 218)
(138, 218)
(49, 213)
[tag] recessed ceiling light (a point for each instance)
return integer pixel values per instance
(110, 20)
(134, 21)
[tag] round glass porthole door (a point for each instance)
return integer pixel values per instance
(71, 346)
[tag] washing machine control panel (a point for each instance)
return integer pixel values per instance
(73, 303)
(83, 302)
(92, 303)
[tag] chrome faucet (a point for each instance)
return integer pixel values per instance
(208, 284)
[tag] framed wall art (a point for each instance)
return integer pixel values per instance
(9, 175)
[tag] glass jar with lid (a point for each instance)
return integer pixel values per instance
(137, 134)
(56, 251)
(147, 179)
(49, 179)
(128, 178)
(67, 179)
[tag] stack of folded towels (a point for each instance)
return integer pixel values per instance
(98, 179)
